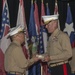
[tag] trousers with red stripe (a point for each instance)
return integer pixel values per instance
(63, 69)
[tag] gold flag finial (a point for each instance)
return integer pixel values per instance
(31, 1)
(68, 4)
(42, 1)
(46, 4)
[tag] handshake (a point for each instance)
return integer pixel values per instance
(43, 57)
(40, 56)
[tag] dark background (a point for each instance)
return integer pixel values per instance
(62, 9)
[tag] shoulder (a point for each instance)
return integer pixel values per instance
(16, 48)
(13, 46)
(63, 36)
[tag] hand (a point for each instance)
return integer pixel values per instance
(46, 58)
(36, 59)
(34, 55)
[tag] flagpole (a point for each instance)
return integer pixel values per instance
(41, 64)
(41, 69)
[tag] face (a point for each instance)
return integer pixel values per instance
(52, 26)
(21, 37)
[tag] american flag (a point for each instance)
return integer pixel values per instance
(4, 42)
(5, 21)
(43, 40)
(42, 29)
(42, 50)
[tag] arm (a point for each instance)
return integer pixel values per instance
(20, 59)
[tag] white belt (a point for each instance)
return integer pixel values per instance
(17, 73)
(56, 64)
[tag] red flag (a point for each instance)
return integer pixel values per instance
(56, 12)
(42, 11)
(1, 62)
(36, 16)
(56, 8)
